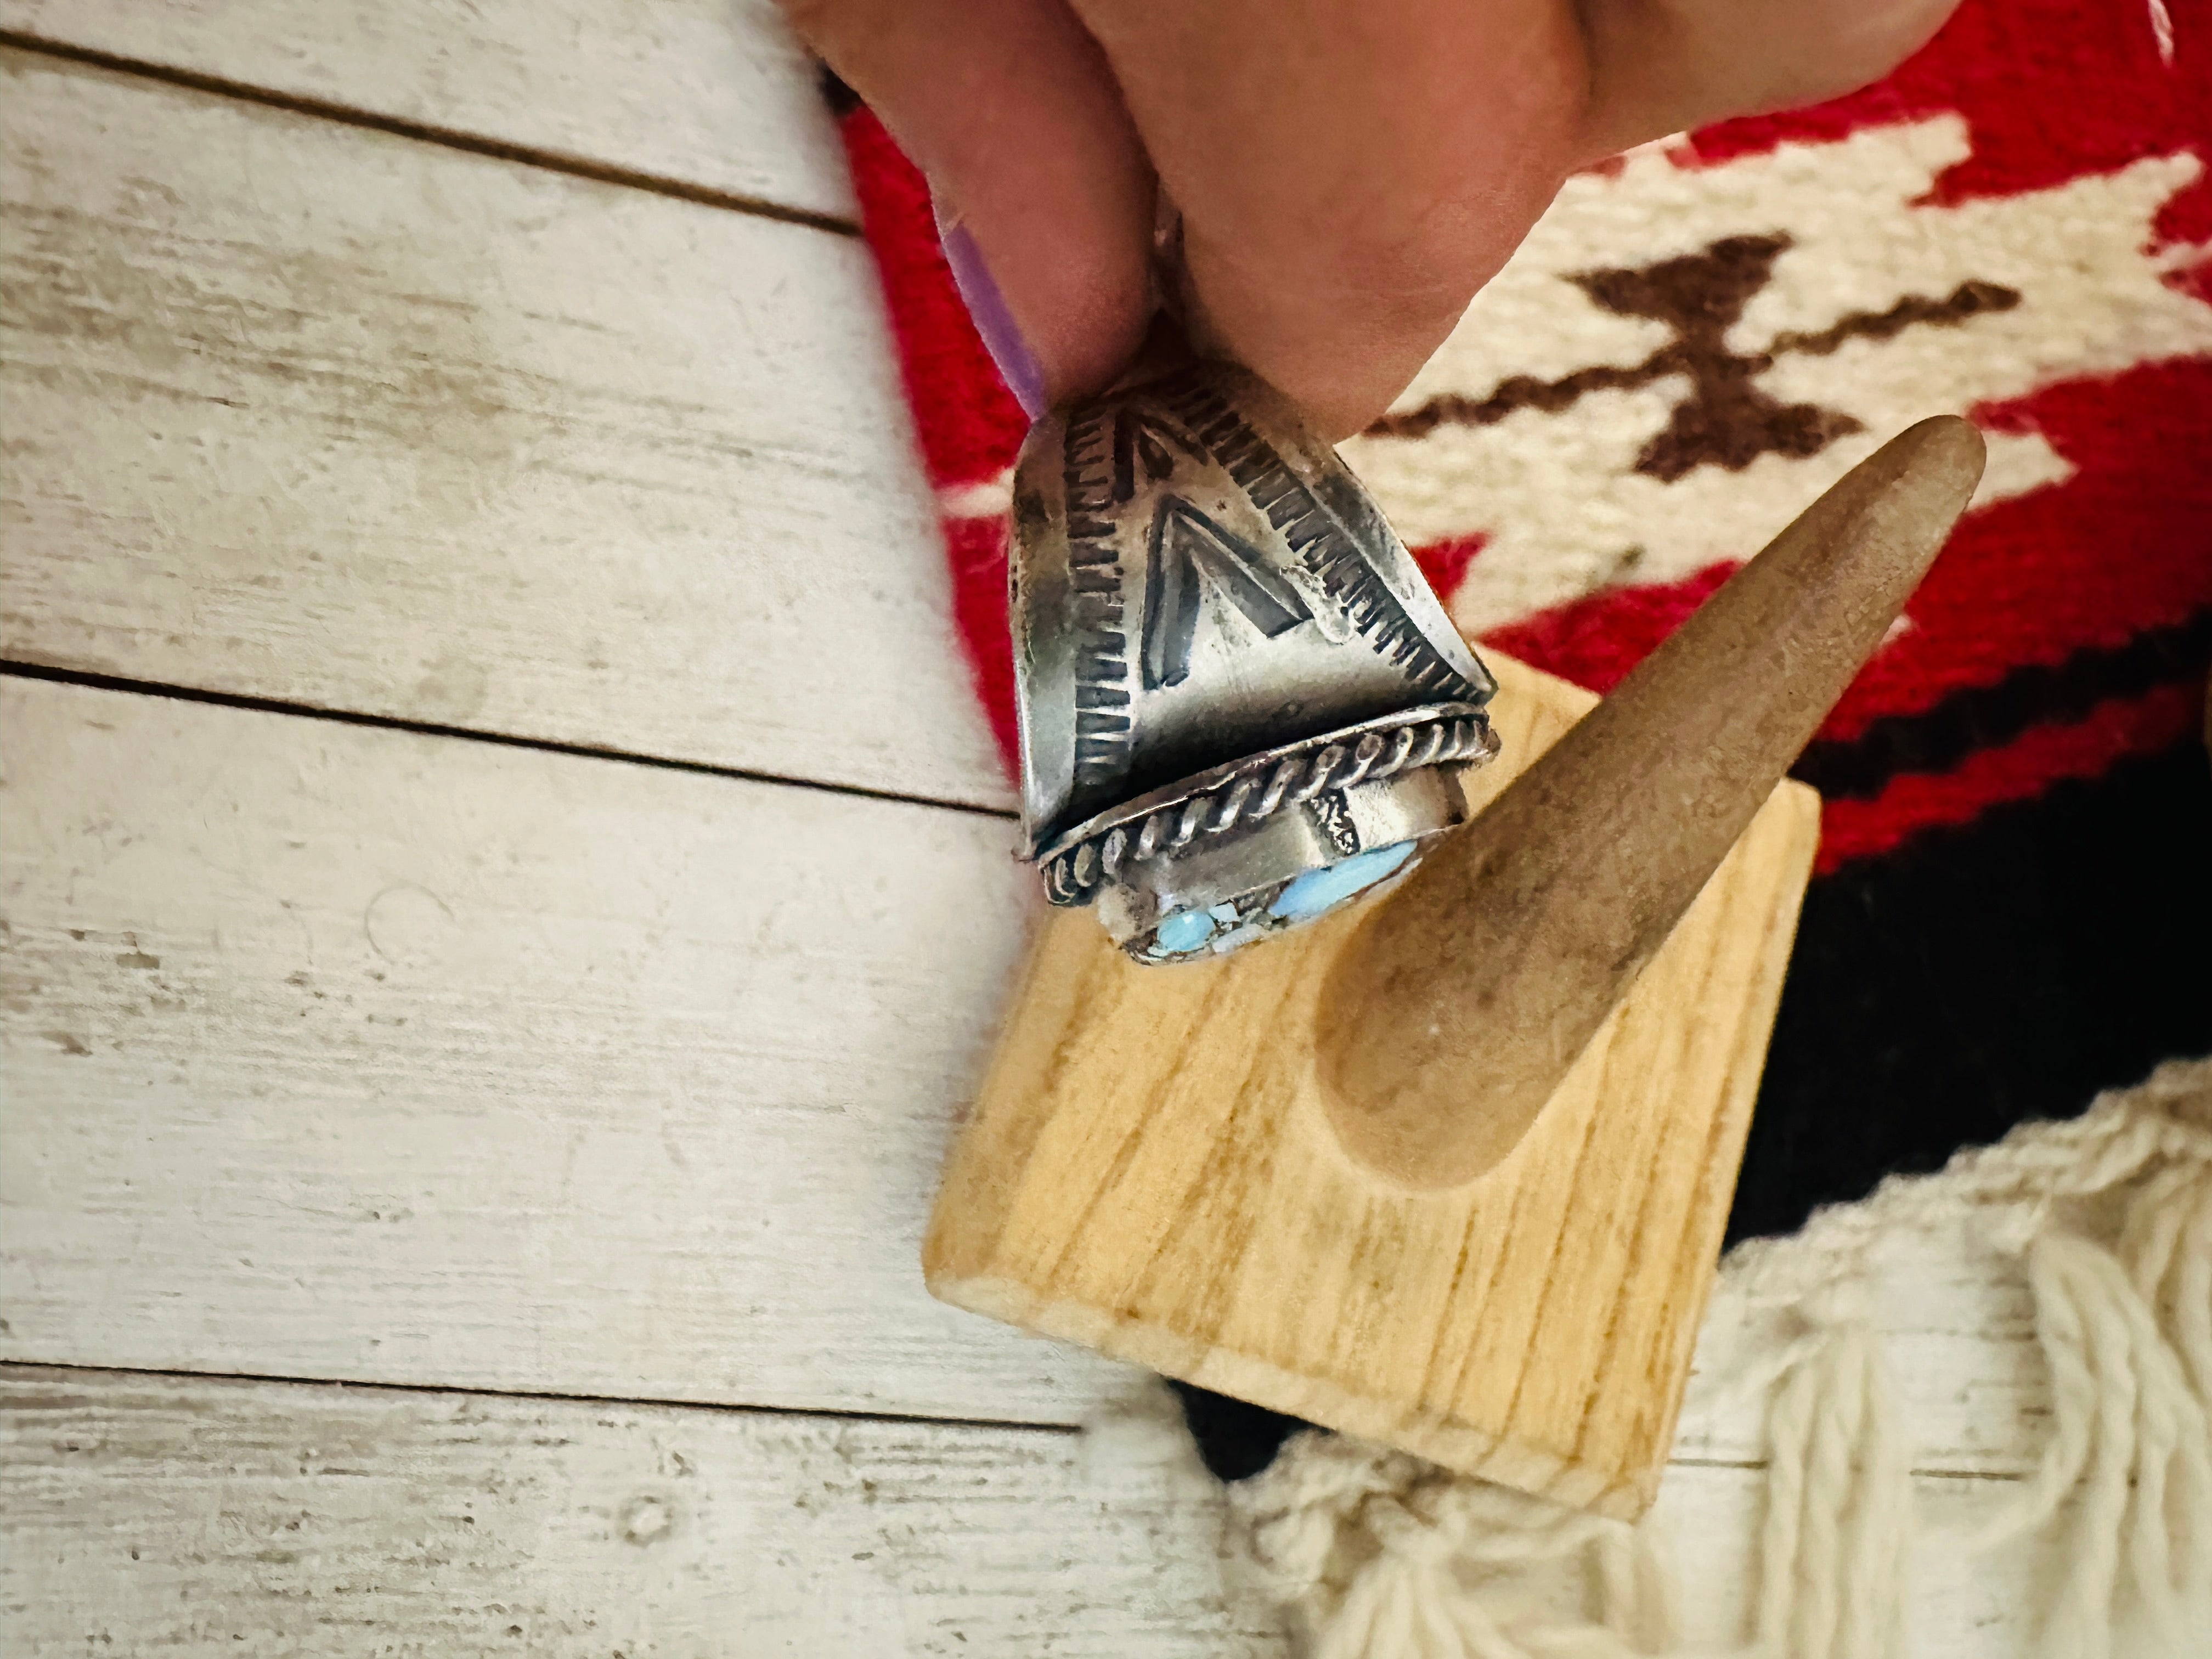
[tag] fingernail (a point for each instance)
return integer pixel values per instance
(1001, 335)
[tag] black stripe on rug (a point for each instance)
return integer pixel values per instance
(1989, 716)
(1977, 976)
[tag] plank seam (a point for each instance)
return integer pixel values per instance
(1916, 1471)
(18, 1367)
(574, 167)
(11, 668)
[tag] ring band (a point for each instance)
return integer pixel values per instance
(1240, 704)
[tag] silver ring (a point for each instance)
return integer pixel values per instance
(1240, 705)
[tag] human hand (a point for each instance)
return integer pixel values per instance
(1343, 174)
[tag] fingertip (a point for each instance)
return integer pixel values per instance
(994, 321)
(1044, 195)
(1062, 309)
(1095, 328)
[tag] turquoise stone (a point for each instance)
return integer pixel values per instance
(1322, 889)
(1186, 930)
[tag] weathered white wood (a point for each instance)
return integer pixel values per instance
(714, 94)
(174, 1516)
(340, 1052)
(343, 1053)
(305, 411)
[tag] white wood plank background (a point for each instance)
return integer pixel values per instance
(183, 1515)
(302, 411)
(713, 94)
(360, 1054)
(179, 1517)
(349, 1053)
(356, 1053)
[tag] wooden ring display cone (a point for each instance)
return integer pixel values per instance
(1519, 936)
(1450, 1171)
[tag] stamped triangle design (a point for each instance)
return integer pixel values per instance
(1185, 542)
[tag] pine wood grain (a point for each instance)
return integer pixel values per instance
(712, 94)
(180, 1516)
(334, 1051)
(176, 1517)
(302, 411)
(1148, 1169)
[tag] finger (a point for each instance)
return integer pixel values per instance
(1009, 109)
(1347, 175)
(1665, 66)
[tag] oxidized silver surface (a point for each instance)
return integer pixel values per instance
(1231, 675)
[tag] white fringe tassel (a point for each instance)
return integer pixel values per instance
(2132, 1444)
(1379, 1553)
(1839, 1491)
(1382, 1556)
(2161, 30)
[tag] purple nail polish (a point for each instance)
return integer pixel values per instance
(1001, 335)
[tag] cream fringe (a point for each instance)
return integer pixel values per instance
(1379, 1555)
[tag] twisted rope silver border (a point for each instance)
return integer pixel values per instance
(1073, 874)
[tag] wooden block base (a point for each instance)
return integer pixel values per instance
(1149, 1171)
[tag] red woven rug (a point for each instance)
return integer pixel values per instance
(2013, 903)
